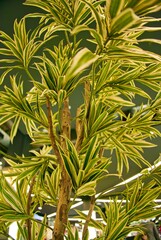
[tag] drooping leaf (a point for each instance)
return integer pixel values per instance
(87, 189)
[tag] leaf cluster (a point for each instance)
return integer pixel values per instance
(98, 51)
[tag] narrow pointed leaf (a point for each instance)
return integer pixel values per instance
(123, 21)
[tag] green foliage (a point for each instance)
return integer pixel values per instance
(71, 235)
(38, 230)
(121, 214)
(93, 46)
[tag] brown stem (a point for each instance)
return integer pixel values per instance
(66, 118)
(91, 208)
(65, 183)
(29, 201)
(62, 208)
(51, 133)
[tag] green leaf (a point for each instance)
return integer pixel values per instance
(4, 75)
(70, 169)
(11, 196)
(30, 172)
(90, 152)
(108, 70)
(118, 228)
(14, 128)
(80, 13)
(83, 59)
(92, 163)
(87, 189)
(134, 195)
(132, 3)
(98, 37)
(99, 121)
(80, 177)
(119, 100)
(52, 183)
(73, 154)
(148, 197)
(97, 16)
(116, 7)
(7, 117)
(42, 229)
(14, 217)
(125, 20)
(15, 52)
(146, 7)
(22, 230)
(71, 234)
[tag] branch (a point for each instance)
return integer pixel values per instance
(51, 133)
(91, 208)
(66, 118)
(65, 182)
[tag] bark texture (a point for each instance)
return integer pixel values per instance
(62, 209)
(65, 182)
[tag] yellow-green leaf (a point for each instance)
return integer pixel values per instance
(123, 21)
